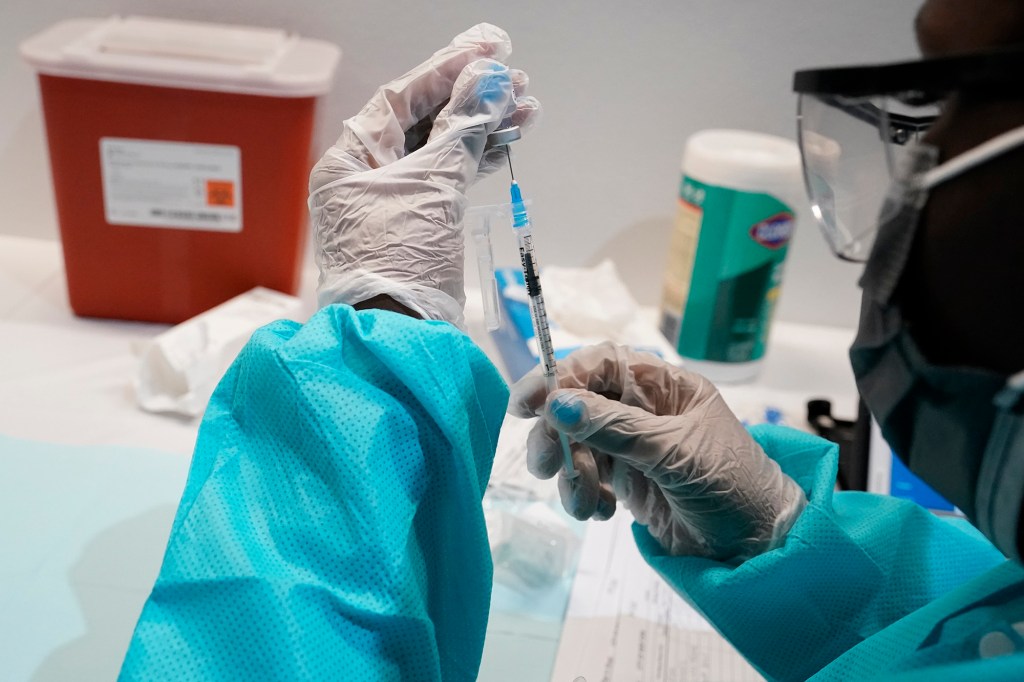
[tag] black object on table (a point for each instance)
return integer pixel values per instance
(853, 438)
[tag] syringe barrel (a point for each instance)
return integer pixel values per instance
(528, 258)
(545, 349)
(538, 312)
(551, 381)
(531, 277)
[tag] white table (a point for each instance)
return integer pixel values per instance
(90, 522)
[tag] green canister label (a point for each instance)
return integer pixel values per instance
(725, 271)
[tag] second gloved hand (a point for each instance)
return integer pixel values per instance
(388, 220)
(662, 441)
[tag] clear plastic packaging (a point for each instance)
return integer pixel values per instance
(479, 222)
(532, 546)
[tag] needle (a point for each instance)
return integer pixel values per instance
(508, 153)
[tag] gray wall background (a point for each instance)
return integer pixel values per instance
(622, 84)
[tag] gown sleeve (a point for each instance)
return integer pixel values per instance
(852, 564)
(331, 526)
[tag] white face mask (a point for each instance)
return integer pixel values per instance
(960, 429)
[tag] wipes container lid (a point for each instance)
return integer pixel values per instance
(184, 54)
(743, 160)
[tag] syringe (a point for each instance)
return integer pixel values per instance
(539, 315)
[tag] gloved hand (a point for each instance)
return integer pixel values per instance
(389, 223)
(661, 440)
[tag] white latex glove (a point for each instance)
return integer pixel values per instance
(390, 223)
(662, 441)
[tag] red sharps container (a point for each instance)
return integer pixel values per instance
(180, 154)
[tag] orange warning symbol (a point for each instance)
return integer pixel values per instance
(220, 193)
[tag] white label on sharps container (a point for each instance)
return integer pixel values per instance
(172, 184)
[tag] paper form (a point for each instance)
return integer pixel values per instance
(625, 623)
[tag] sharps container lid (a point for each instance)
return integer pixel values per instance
(184, 54)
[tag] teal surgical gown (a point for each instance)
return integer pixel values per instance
(866, 587)
(331, 528)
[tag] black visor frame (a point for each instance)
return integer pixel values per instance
(924, 81)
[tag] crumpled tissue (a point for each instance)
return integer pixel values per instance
(179, 369)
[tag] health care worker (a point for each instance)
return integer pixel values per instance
(331, 525)
(807, 583)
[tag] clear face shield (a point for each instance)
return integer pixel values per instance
(855, 124)
(851, 148)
